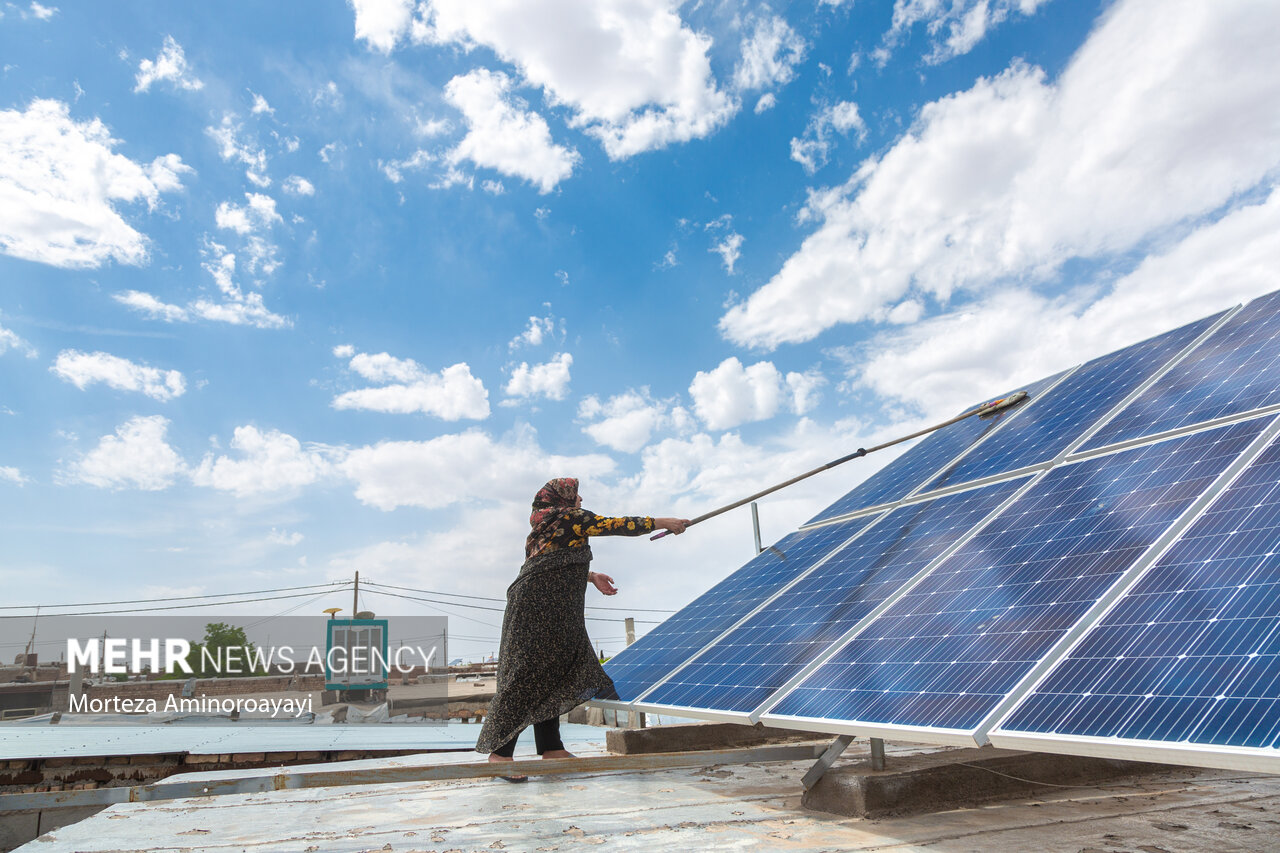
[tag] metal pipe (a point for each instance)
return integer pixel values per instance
(755, 524)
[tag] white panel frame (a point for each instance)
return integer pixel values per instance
(1254, 759)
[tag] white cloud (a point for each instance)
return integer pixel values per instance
(147, 304)
(13, 475)
(729, 249)
(344, 351)
(650, 82)
(137, 456)
(269, 462)
(804, 390)
(452, 394)
(9, 340)
(550, 380)
(233, 149)
(769, 55)
(767, 102)
(328, 95)
(627, 421)
(284, 537)
(1165, 115)
(59, 183)
(813, 149)
(416, 162)
(502, 135)
(42, 13)
(430, 128)
(384, 367)
(1011, 336)
(493, 187)
(954, 27)
(732, 394)
(248, 310)
(82, 369)
(298, 185)
(238, 307)
(257, 215)
(461, 468)
(539, 330)
(170, 66)
(261, 106)
(381, 23)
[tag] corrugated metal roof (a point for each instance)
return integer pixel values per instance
(54, 741)
(731, 808)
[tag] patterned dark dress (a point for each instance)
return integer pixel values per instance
(546, 665)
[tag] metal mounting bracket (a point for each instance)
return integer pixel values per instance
(823, 764)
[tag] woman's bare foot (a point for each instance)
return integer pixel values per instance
(494, 758)
(558, 753)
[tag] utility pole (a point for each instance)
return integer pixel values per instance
(355, 597)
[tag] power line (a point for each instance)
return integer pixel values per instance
(331, 584)
(438, 610)
(482, 607)
(169, 607)
(489, 598)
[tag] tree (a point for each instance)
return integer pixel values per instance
(225, 653)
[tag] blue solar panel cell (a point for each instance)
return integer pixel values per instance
(905, 474)
(648, 660)
(1237, 369)
(1061, 416)
(948, 652)
(1191, 653)
(740, 671)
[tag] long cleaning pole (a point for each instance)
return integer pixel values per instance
(987, 409)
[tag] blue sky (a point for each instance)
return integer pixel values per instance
(293, 290)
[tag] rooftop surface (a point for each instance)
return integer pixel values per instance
(26, 742)
(730, 807)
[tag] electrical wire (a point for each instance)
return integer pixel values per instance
(488, 598)
(438, 610)
(298, 606)
(332, 584)
(494, 609)
(168, 607)
(482, 607)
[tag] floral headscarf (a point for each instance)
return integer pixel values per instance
(548, 505)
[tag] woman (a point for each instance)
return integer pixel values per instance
(546, 666)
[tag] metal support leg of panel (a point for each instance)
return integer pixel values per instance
(877, 753)
(823, 764)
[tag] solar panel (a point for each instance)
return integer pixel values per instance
(1236, 370)
(922, 461)
(1060, 416)
(946, 654)
(1189, 656)
(648, 660)
(1097, 570)
(741, 670)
